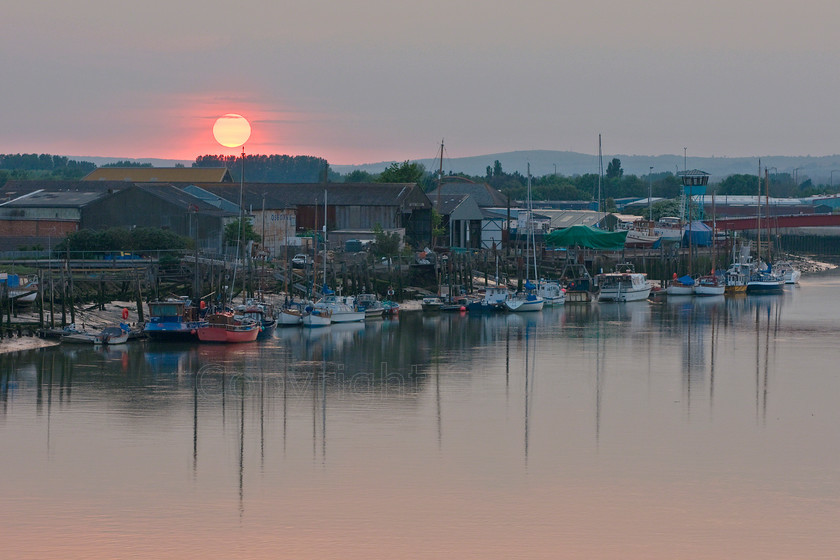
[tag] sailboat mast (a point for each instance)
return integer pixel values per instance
(325, 239)
(758, 206)
(600, 172)
(440, 175)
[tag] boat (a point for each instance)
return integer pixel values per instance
(342, 308)
(710, 285)
(551, 292)
(391, 308)
(173, 319)
(738, 273)
(789, 273)
(316, 317)
(263, 313)
(682, 286)
(493, 300)
(370, 304)
(529, 299)
(21, 290)
(107, 336)
(764, 281)
(225, 326)
(431, 304)
(623, 285)
(455, 304)
(290, 315)
(524, 301)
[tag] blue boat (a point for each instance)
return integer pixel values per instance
(173, 320)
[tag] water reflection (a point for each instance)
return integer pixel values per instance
(592, 408)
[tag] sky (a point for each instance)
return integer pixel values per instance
(386, 80)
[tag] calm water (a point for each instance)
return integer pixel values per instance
(678, 429)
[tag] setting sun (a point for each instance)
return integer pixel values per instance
(232, 130)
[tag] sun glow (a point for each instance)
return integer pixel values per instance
(232, 130)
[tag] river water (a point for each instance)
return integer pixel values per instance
(674, 429)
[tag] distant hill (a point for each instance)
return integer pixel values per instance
(543, 162)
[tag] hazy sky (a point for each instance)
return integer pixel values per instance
(373, 80)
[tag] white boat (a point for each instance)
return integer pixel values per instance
(710, 285)
(551, 292)
(316, 317)
(682, 286)
(623, 286)
(290, 315)
(789, 273)
(528, 300)
(342, 308)
(524, 301)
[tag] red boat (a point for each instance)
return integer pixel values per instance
(227, 327)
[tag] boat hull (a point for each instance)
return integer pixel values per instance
(701, 290)
(315, 320)
(524, 306)
(221, 334)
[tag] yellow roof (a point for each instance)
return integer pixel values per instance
(161, 174)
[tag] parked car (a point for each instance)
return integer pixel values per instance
(301, 259)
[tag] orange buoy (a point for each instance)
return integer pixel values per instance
(125, 313)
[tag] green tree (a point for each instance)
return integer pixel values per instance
(405, 172)
(232, 233)
(359, 176)
(385, 244)
(614, 170)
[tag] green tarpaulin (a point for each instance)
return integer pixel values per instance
(585, 236)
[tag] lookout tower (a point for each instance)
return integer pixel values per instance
(694, 184)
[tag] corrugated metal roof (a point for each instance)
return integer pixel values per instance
(484, 195)
(288, 195)
(160, 174)
(53, 199)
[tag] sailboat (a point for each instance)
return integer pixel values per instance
(763, 280)
(529, 299)
(711, 284)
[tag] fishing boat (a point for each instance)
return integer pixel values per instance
(551, 292)
(623, 285)
(789, 273)
(173, 319)
(314, 317)
(225, 326)
(262, 312)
